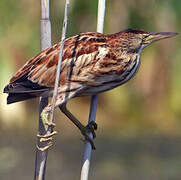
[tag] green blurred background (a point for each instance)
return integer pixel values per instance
(139, 135)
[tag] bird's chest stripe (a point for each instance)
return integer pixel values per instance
(130, 72)
(126, 72)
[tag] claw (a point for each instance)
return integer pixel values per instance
(90, 128)
(45, 147)
(50, 124)
(85, 130)
(47, 135)
(90, 141)
(94, 124)
(45, 138)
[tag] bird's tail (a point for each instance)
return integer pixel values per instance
(16, 97)
(22, 91)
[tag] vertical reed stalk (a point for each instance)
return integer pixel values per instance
(94, 100)
(45, 40)
(41, 156)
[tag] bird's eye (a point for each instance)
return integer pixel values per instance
(145, 37)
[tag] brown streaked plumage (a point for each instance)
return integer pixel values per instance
(92, 63)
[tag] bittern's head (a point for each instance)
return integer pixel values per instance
(136, 40)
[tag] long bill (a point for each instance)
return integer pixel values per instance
(156, 36)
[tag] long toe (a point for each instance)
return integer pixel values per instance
(91, 127)
(90, 141)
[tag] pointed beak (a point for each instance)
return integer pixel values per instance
(156, 36)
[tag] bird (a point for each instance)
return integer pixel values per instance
(92, 63)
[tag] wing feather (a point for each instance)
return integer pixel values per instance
(77, 54)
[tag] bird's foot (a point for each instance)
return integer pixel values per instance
(47, 138)
(90, 128)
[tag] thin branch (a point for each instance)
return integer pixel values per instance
(55, 92)
(45, 38)
(41, 156)
(94, 100)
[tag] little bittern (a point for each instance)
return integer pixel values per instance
(92, 63)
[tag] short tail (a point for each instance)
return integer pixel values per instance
(16, 97)
(24, 90)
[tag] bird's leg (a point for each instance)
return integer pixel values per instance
(85, 130)
(48, 126)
